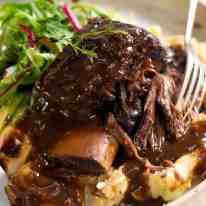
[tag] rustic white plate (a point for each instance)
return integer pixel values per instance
(171, 16)
(3, 197)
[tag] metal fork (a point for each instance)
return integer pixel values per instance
(194, 86)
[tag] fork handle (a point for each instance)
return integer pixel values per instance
(190, 21)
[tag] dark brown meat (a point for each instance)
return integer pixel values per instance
(121, 136)
(78, 90)
(91, 149)
(176, 69)
(29, 187)
(161, 121)
(127, 107)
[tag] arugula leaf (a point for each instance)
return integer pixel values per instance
(13, 109)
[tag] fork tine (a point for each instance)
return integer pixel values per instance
(193, 88)
(199, 92)
(194, 78)
(188, 73)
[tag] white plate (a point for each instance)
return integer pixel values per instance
(3, 182)
(171, 15)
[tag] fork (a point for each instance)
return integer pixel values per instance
(194, 85)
